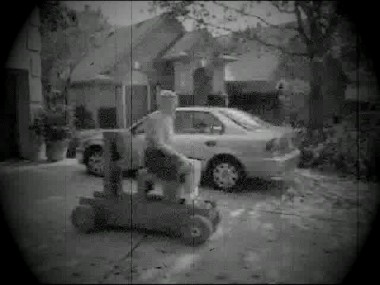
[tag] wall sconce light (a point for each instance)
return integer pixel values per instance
(203, 62)
(136, 65)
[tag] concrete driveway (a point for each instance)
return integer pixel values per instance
(307, 233)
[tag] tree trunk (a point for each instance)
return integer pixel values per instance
(316, 97)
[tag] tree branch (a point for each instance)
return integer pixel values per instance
(280, 48)
(255, 37)
(308, 10)
(282, 10)
(300, 27)
(327, 36)
(244, 13)
(333, 23)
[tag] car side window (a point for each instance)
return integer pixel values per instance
(183, 122)
(197, 122)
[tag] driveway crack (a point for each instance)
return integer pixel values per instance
(123, 258)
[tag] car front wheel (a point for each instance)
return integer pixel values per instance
(95, 162)
(226, 174)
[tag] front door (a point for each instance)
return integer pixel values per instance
(202, 87)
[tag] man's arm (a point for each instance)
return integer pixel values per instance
(154, 138)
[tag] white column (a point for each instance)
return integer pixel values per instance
(149, 100)
(123, 107)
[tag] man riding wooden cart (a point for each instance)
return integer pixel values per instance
(178, 211)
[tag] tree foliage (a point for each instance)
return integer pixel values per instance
(54, 15)
(64, 41)
(64, 44)
(315, 21)
(313, 32)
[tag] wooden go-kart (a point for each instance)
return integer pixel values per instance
(192, 220)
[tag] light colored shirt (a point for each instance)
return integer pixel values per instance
(159, 131)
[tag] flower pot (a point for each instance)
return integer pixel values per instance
(37, 149)
(56, 150)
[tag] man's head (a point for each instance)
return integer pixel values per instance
(167, 102)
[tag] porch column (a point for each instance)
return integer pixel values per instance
(121, 106)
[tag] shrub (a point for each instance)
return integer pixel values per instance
(342, 148)
(38, 125)
(52, 124)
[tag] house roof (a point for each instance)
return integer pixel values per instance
(253, 64)
(116, 48)
(133, 77)
(185, 45)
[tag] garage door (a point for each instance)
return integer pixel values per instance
(8, 118)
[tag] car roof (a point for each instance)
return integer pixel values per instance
(203, 108)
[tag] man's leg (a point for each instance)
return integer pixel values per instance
(192, 179)
(144, 183)
(172, 191)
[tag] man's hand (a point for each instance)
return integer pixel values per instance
(185, 167)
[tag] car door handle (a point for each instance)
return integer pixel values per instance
(210, 143)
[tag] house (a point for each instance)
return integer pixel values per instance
(23, 92)
(117, 82)
(199, 68)
(251, 80)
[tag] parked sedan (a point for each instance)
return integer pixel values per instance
(231, 144)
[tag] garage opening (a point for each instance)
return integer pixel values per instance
(14, 87)
(107, 118)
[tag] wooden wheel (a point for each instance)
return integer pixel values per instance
(197, 230)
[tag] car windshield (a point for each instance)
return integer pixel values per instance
(244, 119)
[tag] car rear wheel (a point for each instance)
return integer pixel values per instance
(226, 174)
(95, 162)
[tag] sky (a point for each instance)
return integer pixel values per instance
(124, 13)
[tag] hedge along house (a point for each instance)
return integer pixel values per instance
(116, 81)
(23, 92)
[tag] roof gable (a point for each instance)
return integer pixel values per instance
(191, 42)
(117, 46)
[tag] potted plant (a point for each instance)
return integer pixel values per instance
(57, 134)
(37, 137)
